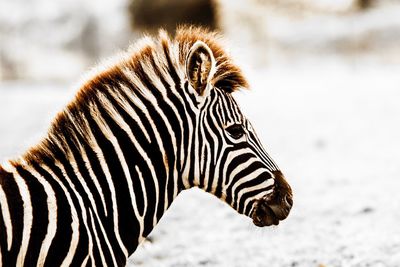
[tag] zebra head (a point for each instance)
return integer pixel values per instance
(230, 161)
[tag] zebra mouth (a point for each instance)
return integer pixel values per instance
(270, 210)
(263, 215)
(273, 207)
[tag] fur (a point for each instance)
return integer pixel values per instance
(139, 60)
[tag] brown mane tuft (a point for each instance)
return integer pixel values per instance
(228, 76)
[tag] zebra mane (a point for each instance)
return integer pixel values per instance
(150, 50)
(140, 59)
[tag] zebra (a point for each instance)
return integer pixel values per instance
(159, 120)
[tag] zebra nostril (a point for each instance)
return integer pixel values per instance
(288, 201)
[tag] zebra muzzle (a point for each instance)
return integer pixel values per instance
(274, 207)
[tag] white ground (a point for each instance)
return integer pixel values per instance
(334, 130)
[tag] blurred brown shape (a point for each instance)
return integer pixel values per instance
(150, 15)
(364, 4)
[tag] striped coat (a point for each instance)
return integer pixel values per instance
(159, 120)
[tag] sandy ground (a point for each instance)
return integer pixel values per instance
(335, 132)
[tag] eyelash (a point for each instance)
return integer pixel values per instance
(235, 130)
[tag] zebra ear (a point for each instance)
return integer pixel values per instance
(200, 67)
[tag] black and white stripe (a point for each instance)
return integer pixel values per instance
(136, 135)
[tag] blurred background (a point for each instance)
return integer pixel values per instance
(324, 98)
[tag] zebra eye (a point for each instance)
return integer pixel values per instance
(236, 131)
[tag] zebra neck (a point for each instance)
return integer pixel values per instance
(113, 162)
